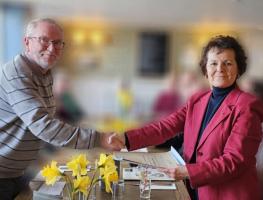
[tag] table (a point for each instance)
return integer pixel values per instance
(131, 191)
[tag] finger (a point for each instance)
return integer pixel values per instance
(163, 170)
(117, 138)
(168, 172)
(116, 147)
(110, 139)
(119, 144)
(115, 142)
(120, 139)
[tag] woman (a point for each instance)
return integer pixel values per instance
(222, 129)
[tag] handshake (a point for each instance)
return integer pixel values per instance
(112, 141)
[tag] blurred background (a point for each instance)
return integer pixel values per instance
(129, 62)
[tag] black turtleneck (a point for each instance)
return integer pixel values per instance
(217, 97)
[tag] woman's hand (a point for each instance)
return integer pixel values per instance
(112, 141)
(177, 173)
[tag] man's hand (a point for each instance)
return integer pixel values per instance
(112, 141)
(177, 173)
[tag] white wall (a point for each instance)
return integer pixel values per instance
(253, 40)
(96, 91)
(97, 95)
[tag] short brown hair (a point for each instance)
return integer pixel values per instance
(225, 42)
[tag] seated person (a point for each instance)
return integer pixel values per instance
(68, 109)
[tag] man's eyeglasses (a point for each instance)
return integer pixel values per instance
(44, 41)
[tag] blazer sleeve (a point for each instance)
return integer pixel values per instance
(239, 150)
(157, 132)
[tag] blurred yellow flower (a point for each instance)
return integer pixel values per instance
(51, 173)
(125, 98)
(78, 165)
(105, 160)
(108, 170)
(81, 184)
(110, 175)
(118, 125)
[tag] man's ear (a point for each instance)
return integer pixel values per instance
(26, 42)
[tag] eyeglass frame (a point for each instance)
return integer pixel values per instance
(44, 41)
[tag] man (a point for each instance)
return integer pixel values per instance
(27, 108)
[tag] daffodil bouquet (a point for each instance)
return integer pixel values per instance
(79, 181)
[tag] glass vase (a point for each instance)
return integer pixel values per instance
(79, 196)
(75, 196)
(92, 195)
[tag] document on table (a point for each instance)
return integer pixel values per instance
(164, 159)
(133, 173)
(54, 192)
(163, 187)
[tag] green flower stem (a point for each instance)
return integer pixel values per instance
(92, 182)
(69, 187)
(68, 191)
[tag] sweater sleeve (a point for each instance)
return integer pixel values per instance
(28, 101)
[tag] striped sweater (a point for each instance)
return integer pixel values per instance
(27, 109)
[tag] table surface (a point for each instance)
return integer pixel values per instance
(131, 188)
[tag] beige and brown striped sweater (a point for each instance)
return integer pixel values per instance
(27, 111)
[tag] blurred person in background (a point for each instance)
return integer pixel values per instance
(28, 107)
(167, 102)
(247, 84)
(189, 83)
(67, 108)
(255, 85)
(258, 90)
(222, 130)
(125, 99)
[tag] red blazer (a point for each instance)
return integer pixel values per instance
(225, 165)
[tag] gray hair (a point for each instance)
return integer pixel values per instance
(33, 24)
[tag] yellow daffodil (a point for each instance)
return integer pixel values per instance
(108, 170)
(102, 159)
(110, 175)
(105, 161)
(125, 99)
(51, 173)
(78, 165)
(81, 184)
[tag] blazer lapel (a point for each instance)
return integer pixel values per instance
(198, 115)
(223, 111)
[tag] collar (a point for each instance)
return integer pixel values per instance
(220, 92)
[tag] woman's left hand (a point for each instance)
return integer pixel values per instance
(177, 173)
